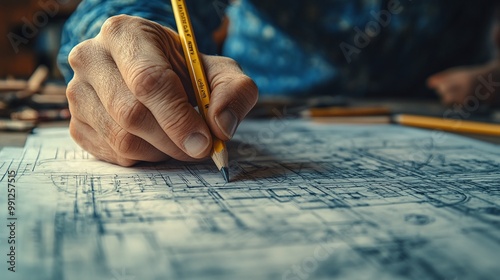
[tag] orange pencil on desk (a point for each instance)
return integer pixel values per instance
(346, 111)
(199, 80)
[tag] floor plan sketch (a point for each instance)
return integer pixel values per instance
(305, 201)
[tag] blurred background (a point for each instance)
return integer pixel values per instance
(30, 35)
(32, 89)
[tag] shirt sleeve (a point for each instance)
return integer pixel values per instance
(86, 22)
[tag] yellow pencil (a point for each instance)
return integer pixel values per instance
(198, 78)
(452, 125)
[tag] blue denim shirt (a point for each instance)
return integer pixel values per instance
(293, 47)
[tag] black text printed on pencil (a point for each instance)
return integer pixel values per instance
(11, 221)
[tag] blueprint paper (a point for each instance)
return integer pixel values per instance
(306, 201)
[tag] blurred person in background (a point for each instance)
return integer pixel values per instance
(131, 98)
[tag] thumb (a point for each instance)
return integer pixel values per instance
(233, 95)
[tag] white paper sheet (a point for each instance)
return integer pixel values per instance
(306, 201)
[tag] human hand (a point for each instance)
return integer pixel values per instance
(131, 97)
(456, 85)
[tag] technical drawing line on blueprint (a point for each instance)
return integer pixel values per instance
(306, 201)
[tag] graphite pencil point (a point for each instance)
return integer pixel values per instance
(225, 173)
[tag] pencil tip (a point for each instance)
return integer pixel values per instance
(225, 173)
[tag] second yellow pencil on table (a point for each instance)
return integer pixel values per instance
(451, 125)
(198, 78)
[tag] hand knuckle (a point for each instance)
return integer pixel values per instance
(250, 87)
(125, 143)
(149, 79)
(120, 25)
(228, 60)
(131, 116)
(81, 54)
(72, 91)
(249, 92)
(75, 132)
(114, 25)
(79, 96)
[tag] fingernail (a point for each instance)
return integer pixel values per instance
(195, 144)
(227, 122)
